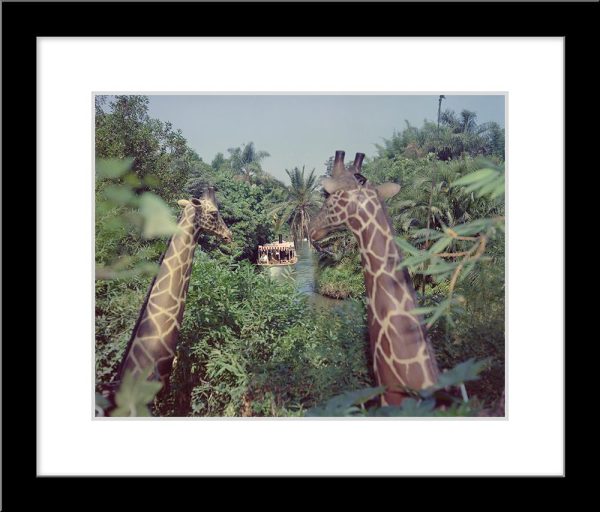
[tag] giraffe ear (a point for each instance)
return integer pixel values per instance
(330, 185)
(387, 190)
(183, 203)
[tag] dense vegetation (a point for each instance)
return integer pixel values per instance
(253, 345)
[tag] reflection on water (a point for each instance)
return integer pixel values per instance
(303, 273)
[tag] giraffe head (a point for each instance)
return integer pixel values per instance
(206, 214)
(351, 201)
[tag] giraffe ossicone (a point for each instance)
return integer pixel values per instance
(154, 338)
(401, 351)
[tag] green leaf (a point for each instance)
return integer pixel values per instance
(461, 373)
(415, 260)
(440, 310)
(135, 393)
(119, 194)
(479, 184)
(407, 247)
(467, 269)
(420, 235)
(410, 407)
(132, 180)
(146, 267)
(151, 181)
(488, 187)
(474, 177)
(471, 228)
(113, 167)
(440, 245)
(158, 219)
(440, 268)
(423, 310)
(346, 403)
(499, 190)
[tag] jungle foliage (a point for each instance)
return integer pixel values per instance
(253, 346)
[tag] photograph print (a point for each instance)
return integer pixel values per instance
(299, 255)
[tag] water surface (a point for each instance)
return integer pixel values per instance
(304, 274)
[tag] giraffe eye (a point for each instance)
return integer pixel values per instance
(326, 194)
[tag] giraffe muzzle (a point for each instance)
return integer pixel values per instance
(317, 234)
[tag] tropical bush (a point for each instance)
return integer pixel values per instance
(424, 402)
(251, 345)
(342, 280)
(301, 202)
(455, 136)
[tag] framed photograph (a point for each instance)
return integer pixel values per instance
(330, 247)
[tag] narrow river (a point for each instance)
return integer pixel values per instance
(304, 274)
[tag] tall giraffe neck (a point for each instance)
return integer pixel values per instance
(154, 339)
(401, 351)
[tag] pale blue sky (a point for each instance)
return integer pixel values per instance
(305, 130)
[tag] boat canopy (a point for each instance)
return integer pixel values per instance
(276, 246)
(277, 253)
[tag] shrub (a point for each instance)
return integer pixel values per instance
(342, 280)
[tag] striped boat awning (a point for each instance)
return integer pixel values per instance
(277, 246)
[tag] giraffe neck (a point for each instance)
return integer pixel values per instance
(401, 351)
(154, 338)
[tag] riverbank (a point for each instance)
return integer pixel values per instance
(342, 281)
(326, 289)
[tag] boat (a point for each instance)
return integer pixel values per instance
(277, 254)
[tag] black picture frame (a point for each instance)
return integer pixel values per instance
(23, 22)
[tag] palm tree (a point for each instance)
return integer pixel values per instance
(442, 97)
(429, 201)
(468, 121)
(301, 202)
(246, 160)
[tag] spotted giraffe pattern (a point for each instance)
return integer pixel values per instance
(401, 352)
(154, 339)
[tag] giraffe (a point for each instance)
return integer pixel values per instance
(401, 351)
(154, 338)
